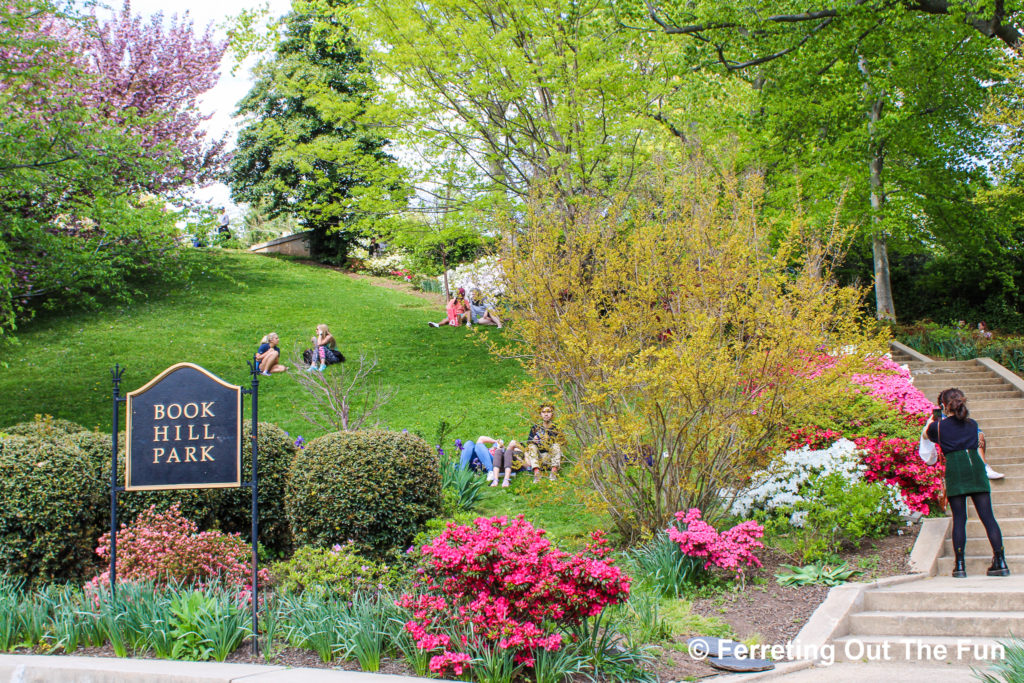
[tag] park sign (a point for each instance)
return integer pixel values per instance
(184, 432)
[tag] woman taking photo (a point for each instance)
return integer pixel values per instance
(957, 436)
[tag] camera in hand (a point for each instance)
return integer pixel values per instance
(936, 414)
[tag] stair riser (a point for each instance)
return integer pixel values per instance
(1010, 433)
(989, 423)
(966, 373)
(967, 653)
(985, 416)
(1007, 510)
(931, 389)
(979, 545)
(916, 625)
(977, 566)
(1009, 527)
(917, 601)
(1001, 491)
(1000, 460)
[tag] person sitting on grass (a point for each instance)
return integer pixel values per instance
(267, 355)
(544, 440)
(458, 311)
(324, 344)
(480, 312)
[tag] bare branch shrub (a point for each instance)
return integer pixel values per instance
(679, 332)
(345, 396)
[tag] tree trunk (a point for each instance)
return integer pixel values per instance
(444, 264)
(884, 307)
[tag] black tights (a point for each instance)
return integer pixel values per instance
(983, 504)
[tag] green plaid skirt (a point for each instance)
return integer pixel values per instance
(965, 474)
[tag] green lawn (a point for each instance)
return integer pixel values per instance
(61, 364)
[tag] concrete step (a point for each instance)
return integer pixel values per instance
(977, 565)
(973, 372)
(999, 420)
(1004, 449)
(1013, 471)
(931, 387)
(1005, 510)
(1010, 526)
(957, 653)
(979, 545)
(940, 365)
(998, 461)
(1009, 433)
(988, 624)
(1003, 393)
(946, 594)
(983, 416)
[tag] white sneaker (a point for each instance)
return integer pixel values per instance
(490, 476)
(433, 324)
(992, 474)
(469, 324)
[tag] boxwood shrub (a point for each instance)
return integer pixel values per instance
(229, 509)
(375, 488)
(54, 503)
(224, 509)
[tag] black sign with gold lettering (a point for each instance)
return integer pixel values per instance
(184, 432)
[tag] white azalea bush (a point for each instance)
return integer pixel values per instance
(820, 499)
(485, 274)
(385, 266)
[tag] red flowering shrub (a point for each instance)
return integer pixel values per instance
(816, 438)
(732, 549)
(162, 547)
(895, 461)
(506, 582)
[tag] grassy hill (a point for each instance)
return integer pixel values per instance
(61, 365)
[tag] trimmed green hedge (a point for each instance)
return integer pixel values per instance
(375, 488)
(53, 504)
(55, 490)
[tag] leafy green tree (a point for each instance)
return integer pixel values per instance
(886, 95)
(503, 99)
(310, 149)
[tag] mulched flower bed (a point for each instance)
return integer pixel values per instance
(773, 613)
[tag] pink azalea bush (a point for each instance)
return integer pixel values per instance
(732, 550)
(502, 582)
(893, 385)
(164, 547)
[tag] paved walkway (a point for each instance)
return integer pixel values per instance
(58, 669)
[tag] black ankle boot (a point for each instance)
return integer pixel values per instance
(959, 568)
(998, 567)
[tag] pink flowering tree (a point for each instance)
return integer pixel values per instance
(731, 550)
(499, 583)
(147, 79)
(166, 547)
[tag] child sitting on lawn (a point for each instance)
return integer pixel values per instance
(544, 440)
(323, 344)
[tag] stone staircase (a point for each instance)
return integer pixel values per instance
(941, 620)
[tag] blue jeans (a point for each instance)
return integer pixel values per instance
(469, 449)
